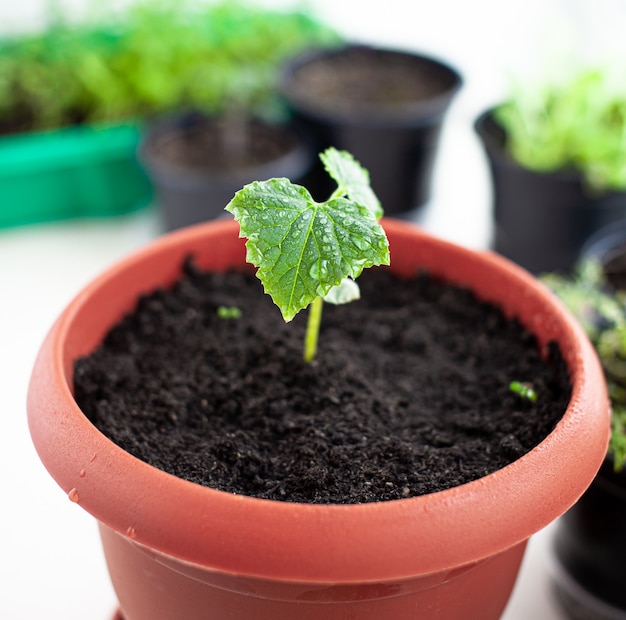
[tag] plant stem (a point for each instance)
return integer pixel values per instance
(313, 329)
(315, 311)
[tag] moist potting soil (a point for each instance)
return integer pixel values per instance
(359, 78)
(409, 392)
(224, 146)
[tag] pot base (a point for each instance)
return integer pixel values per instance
(153, 586)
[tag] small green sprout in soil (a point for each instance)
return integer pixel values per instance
(308, 252)
(524, 390)
(229, 312)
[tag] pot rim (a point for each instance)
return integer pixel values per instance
(424, 112)
(308, 542)
(297, 160)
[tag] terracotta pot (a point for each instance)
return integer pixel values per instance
(179, 550)
(542, 219)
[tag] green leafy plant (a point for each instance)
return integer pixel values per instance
(578, 124)
(523, 390)
(149, 59)
(229, 312)
(602, 314)
(308, 252)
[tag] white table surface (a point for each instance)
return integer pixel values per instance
(51, 564)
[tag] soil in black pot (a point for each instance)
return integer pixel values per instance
(360, 79)
(223, 146)
(409, 393)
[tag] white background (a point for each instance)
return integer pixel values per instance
(51, 566)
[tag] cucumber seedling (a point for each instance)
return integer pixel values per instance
(308, 252)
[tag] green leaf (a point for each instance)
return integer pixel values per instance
(228, 312)
(345, 292)
(352, 179)
(524, 390)
(303, 248)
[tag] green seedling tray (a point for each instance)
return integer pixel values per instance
(86, 171)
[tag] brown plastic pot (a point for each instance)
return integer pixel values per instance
(179, 550)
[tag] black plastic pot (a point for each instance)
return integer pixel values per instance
(177, 152)
(541, 220)
(396, 140)
(608, 245)
(590, 550)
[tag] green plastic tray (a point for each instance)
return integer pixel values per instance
(86, 171)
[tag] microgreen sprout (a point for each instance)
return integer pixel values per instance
(228, 312)
(524, 390)
(308, 252)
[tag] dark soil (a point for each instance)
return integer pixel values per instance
(225, 145)
(409, 393)
(361, 78)
(24, 120)
(15, 124)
